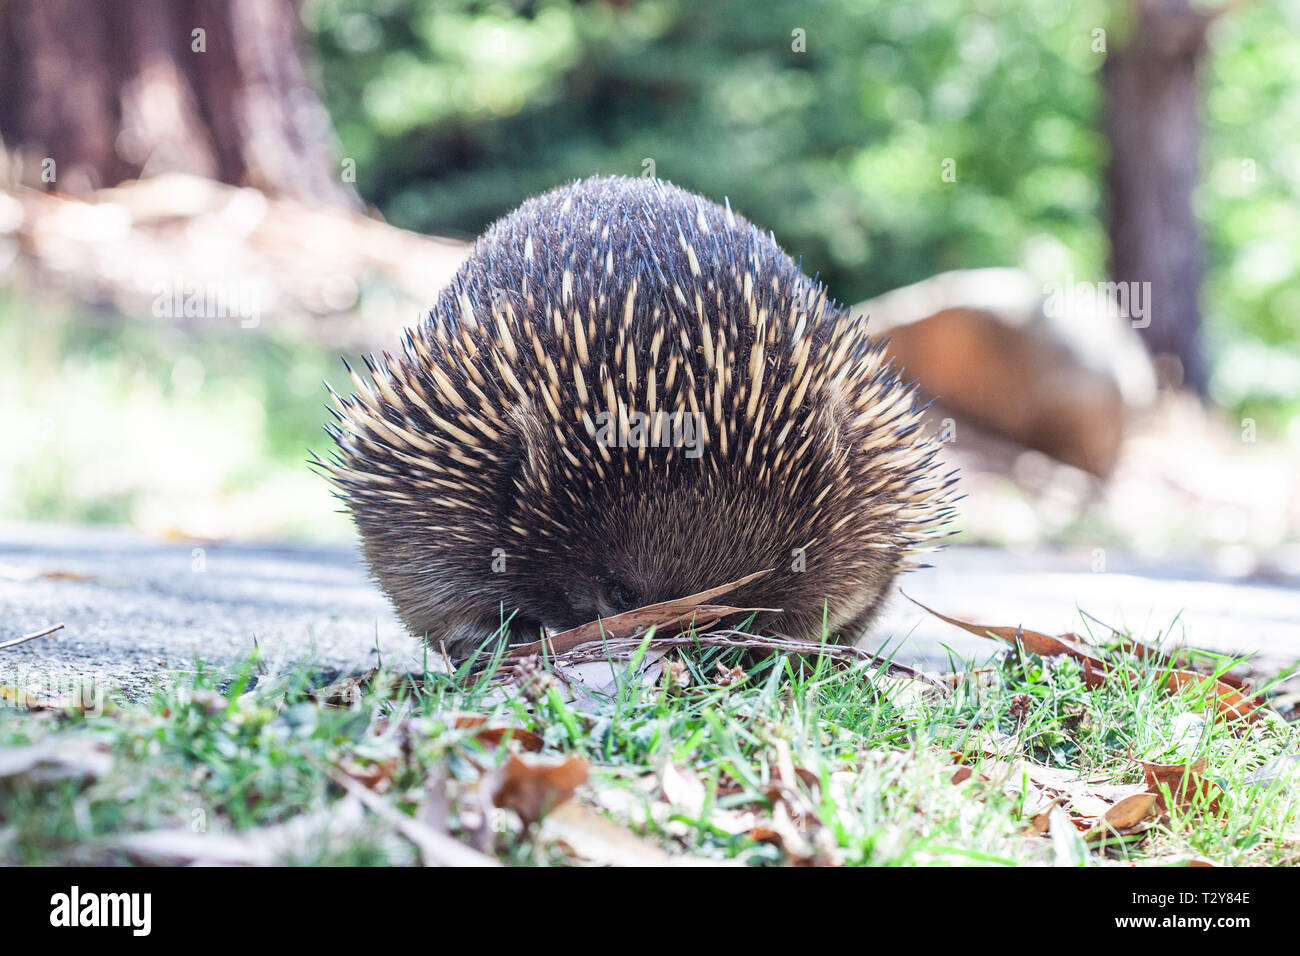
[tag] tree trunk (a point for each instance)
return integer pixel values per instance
(1153, 123)
(92, 93)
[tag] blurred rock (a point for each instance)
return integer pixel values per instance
(1057, 380)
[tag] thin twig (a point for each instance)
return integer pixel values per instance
(436, 849)
(31, 637)
(602, 650)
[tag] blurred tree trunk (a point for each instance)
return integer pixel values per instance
(1153, 123)
(93, 93)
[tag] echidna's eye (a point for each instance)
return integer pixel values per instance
(621, 596)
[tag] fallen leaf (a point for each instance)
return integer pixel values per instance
(1116, 792)
(491, 736)
(68, 576)
(809, 844)
(1044, 645)
(1132, 810)
(1060, 779)
(75, 759)
(531, 787)
(1144, 652)
(812, 783)
(1184, 781)
(1278, 769)
(795, 826)
(593, 838)
(1088, 806)
(1228, 702)
(662, 615)
(495, 736)
(1042, 821)
(266, 846)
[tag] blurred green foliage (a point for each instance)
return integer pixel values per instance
(456, 110)
(180, 430)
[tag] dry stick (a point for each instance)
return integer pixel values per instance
(600, 650)
(31, 637)
(436, 849)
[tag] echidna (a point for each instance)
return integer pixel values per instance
(630, 394)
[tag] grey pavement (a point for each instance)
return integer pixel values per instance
(137, 610)
(146, 610)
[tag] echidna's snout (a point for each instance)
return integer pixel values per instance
(603, 597)
(575, 599)
(478, 462)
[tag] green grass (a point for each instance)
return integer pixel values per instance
(874, 760)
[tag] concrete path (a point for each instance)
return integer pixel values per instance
(137, 610)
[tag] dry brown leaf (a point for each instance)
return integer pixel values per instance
(1184, 780)
(593, 838)
(1044, 645)
(1087, 805)
(812, 783)
(494, 736)
(964, 773)
(1042, 821)
(1132, 810)
(795, 824)
(1116, 792)
(491, 736)
(801, 835)
(779, 830)
(1060, 779)
(1229, 703)
(68, 576)
(462, 719)
(676, 676)
(1145, 652)
(665, 614)
(531, 787)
